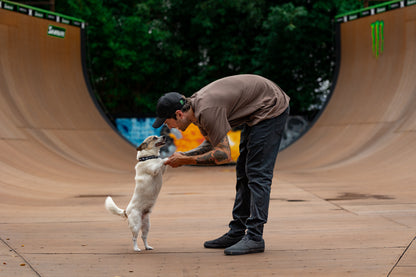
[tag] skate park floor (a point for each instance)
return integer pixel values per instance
(313, 230)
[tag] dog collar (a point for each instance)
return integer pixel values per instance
(142, 159)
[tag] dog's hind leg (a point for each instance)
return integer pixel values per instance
(135, 246)
(145, 230)
(135, 223)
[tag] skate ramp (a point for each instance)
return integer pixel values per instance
(360, 155)
(343, 201)
(52, 133)
(367, 129)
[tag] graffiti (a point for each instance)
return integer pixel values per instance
(377, 34)
(192, 138)
(136, 130)
(296, 125)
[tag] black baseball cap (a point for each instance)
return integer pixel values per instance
(166, 107)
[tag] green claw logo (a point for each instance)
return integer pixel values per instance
(377, 33)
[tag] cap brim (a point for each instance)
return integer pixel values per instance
(158, 122)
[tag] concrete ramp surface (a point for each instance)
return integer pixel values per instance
(51, 131)
(343, 200)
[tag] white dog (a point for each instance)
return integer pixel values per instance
(149, 171)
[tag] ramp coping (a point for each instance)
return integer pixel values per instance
(376, 9)
(40, 13)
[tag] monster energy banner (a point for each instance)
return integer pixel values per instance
(377, 34)
(384, 7)
(56, 31)
(36, 12)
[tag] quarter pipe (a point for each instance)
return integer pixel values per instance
(343, 201)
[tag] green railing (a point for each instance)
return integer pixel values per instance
(40, 13)
(376, 9)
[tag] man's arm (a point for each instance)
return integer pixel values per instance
(205, 147)
(205, 154)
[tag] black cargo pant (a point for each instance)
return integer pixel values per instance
(259, 146)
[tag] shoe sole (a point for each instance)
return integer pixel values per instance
(243, 252)
(220, 246)
(217, 246)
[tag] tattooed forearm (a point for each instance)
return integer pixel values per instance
(212, 157)
(202, 149)
(206, 154)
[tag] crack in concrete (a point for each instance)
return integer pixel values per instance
(401, 256)
(21, 256)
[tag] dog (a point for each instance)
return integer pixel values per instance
(149, 170)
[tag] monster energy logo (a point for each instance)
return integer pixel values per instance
(377, 34)
(56, 31)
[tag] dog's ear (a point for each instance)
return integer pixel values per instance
(142, 146)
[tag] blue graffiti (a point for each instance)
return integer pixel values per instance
(136, 130)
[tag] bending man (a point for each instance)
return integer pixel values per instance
(261, 107)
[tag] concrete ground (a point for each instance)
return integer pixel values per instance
(343, 197)
(306, 235)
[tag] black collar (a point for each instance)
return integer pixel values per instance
(142, 159)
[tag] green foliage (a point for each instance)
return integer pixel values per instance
(138, 50)
(296, 49)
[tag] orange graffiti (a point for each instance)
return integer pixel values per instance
(192, 138)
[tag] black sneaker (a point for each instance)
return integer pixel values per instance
(245, 246)
(223, 242)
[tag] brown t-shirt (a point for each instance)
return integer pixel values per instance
(235, 100)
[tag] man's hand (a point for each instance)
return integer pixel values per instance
(205, 154)
(178, 159)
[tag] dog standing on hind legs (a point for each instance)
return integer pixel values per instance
(149, 170)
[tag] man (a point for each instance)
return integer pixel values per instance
(261, 107)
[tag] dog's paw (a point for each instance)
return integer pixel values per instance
(137, 249)
(149, 247)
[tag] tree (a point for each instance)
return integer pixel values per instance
(297, 49)
(131, 56)
(139, 50)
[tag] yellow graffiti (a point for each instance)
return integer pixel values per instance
(234, 139)
(192, 138)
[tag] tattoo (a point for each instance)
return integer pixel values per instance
(206, 154)
(203, 148)
(213, 157)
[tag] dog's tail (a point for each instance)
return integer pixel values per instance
(112, 208)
